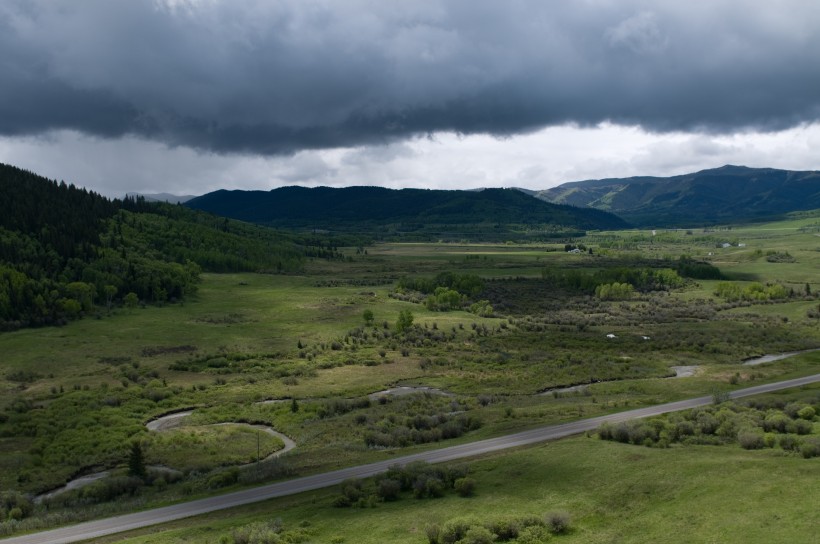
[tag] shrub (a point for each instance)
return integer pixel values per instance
(111, 488)
(388, 489)
(620, 433)
(558, 522)
(801, 426)
(477, 535)
(504, 529)
(810, 448)
(16, 503)
(777, 422)
(223, 479)
(455, 529)
(465, 487)
(789, 442)
(750, 440)
(352, 491)
(807, 413)
(433, 533)
(428, 486)
(793, 408)
(535, 534)
(258, 533)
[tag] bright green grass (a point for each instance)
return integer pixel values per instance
(206, 447)
(613, 492)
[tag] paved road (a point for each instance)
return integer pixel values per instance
(92, 529)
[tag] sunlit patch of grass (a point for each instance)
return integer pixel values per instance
(203, 448)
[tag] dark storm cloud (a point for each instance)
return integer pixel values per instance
(277, 77)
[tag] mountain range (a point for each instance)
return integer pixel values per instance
(421, 212)
(729, 194)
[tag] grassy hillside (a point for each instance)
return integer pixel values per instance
(424, 214)
(729, 194)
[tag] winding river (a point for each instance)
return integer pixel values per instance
(162, 424)
(777, 357)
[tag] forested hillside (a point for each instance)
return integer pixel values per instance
(67, 252)
(391, 213)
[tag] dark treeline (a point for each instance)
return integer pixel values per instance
(466, 284)
(639, 275)
(409, 214)
(66, 251)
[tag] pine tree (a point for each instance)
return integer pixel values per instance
(136, 461)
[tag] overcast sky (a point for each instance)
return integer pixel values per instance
(188, 96)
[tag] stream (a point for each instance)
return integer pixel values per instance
(161, 424)
(778, 357)
(680, 372)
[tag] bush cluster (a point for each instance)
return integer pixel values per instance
(467, 284)
(422, 480)
(14, 506)
(752, 426)
(112, 488)
(521, 529)
(419, 429)
(755, 291)
(262, 532)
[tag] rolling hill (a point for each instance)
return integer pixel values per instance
(385, 212)
(729, 194)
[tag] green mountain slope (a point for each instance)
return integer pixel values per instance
(721, 195)
(384, 212)
(66, 252)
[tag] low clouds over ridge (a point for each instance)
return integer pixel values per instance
(268, 78)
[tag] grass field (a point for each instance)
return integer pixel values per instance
(612, 492)
(195, 448)
(76, 397)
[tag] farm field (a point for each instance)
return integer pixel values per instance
(327, 358)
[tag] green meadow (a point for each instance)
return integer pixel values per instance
(611, 493)
(311, 354)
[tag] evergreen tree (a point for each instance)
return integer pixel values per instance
(136, 461)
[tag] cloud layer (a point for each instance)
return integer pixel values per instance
(274, 78)
(537, 160)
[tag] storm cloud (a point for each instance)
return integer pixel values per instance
(273, 78)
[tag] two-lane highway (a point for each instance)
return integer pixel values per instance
(92, 529)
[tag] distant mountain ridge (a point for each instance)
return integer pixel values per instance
(720, 195)
(401, 210)
(162, 197)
